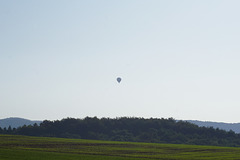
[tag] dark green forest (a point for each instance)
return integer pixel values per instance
(130, 129)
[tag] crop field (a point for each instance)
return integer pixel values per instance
(14, 147)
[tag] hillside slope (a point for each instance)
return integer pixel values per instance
(42, 148)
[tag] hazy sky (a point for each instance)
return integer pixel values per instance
(177, 58)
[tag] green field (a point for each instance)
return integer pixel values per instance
(42, 148)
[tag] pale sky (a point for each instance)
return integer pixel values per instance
(177, 58)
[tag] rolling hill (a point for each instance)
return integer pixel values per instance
(225, 126)
(15, 122)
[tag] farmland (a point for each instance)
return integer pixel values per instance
(14, 147)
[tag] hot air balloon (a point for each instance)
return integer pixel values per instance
(119, 79)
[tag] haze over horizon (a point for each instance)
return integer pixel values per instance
(177, 59)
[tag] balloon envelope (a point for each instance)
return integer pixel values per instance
(119, 79)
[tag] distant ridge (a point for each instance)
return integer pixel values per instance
(131, 129)
(225, 126)
(15, 122)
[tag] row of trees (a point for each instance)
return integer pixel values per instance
(130, 129)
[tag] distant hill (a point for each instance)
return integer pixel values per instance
(225, 126)
(132, 130)
(15, 122)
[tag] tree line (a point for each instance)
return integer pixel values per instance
(130, 129)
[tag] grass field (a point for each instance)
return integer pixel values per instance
(42, 148)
